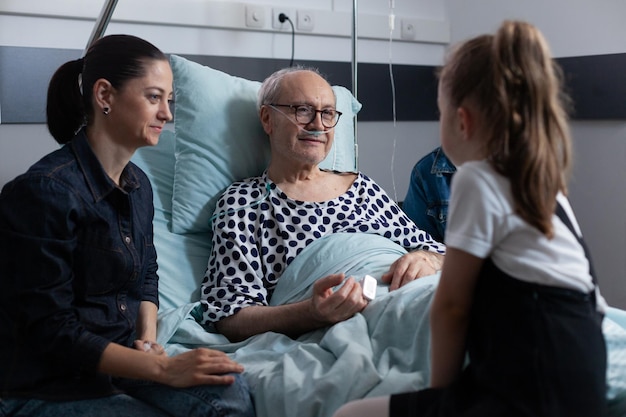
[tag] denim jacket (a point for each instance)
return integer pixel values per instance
(76, 261)
(426, 201)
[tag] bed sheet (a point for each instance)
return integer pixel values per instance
(383, 350)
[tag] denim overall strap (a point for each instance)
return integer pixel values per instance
(566, 220)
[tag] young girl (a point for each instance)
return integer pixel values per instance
(517, 291)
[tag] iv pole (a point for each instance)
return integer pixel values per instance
(101, 23)
(354, 77)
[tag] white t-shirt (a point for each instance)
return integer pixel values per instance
(482, 222)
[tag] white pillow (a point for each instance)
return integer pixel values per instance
(219, 139)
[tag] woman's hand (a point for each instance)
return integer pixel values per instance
(411, 266)
(199, 367)
(196, 367)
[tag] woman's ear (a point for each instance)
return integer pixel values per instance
(103, 94)
(266, 119)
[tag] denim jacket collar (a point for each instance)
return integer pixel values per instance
(441, 164)
(98, 181)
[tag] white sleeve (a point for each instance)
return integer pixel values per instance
(477, 211)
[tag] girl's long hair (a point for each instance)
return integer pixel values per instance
(517, 86)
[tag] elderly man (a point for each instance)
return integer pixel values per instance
(268, 220)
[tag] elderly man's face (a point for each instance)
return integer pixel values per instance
(291, 140)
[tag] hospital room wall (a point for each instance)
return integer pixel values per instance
(23, 144)
(388, 150)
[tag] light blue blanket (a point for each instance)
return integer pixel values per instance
(383, 350)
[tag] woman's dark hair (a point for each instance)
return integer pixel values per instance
(116, 58)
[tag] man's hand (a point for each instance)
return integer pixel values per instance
(330, 307)
(411, 266)
(325, 307)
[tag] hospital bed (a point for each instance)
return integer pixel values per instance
(216, 139)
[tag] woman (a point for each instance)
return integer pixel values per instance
(79, 288)
(517, 289)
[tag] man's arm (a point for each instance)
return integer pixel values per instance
(324, 308)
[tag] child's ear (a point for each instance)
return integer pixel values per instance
(466, 122)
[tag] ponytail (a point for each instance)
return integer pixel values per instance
(532, 147)
(65, 110)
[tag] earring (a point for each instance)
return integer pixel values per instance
(106, 111)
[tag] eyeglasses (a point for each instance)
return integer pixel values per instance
(305, 114)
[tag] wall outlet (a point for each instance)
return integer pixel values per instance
(255, 16)
(305, 20)
(290, 13)
(408, 29)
